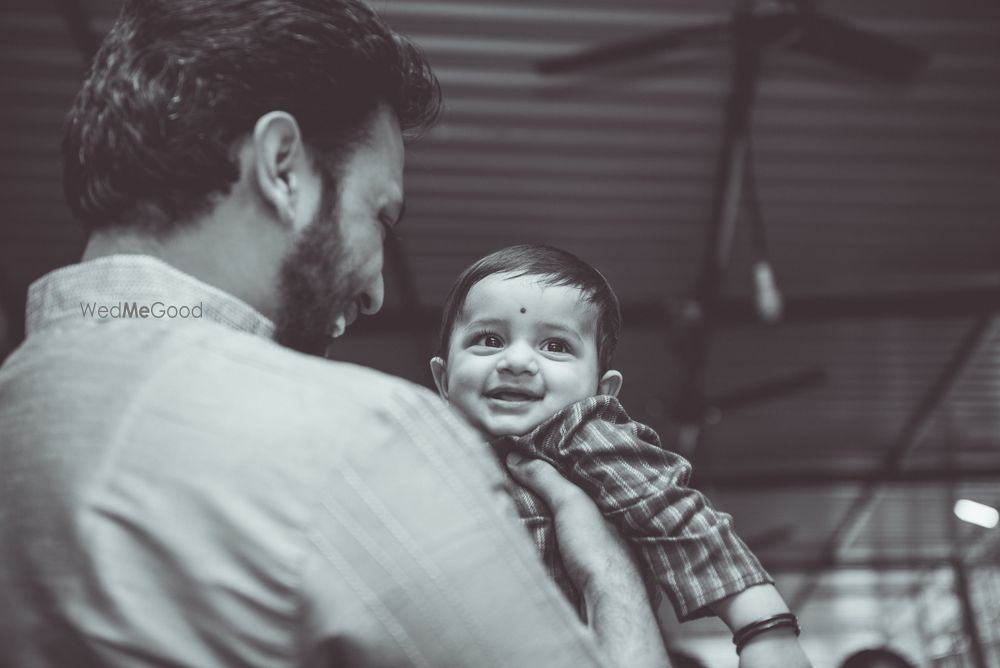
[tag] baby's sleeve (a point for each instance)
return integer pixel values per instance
(689, 547)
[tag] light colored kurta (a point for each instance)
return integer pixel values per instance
(185, 492)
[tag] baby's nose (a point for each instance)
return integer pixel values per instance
(519, 358)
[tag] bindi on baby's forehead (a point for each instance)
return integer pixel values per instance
(524, 310)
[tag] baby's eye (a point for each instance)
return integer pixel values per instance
(489, 340)
(556, 346)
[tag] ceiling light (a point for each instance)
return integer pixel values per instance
(977, 513)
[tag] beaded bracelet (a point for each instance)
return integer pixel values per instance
(750, 631)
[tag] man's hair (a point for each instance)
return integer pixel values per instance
(552, 266)
(151, 136)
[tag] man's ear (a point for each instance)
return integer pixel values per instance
(610, 383)
(439, 369)
(278, 159)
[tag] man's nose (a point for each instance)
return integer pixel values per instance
(370, 300)
(518, 358)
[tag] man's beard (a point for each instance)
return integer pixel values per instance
(316, 284)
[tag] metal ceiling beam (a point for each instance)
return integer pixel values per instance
(812, 478)
(926, 304)
(912, 432)
(694, 330)
(967, 302)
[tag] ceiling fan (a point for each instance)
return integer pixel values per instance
(753, 29)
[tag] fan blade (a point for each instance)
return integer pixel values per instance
(629, 49)
(822, 36)
(848, 46)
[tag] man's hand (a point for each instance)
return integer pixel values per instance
(602, 568)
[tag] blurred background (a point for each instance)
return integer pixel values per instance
(798, 205)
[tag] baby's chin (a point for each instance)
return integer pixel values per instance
(492, 433)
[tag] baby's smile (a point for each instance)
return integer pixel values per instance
(513, 394)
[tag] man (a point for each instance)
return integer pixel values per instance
(177, 489)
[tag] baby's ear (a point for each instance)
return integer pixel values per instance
(439, 369)
(611, 383)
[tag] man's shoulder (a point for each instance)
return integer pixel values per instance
(258, 365)
(334, 413)
(278, 404)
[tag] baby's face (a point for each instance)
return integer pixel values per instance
(519, 352)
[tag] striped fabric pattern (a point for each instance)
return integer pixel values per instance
(688, 548)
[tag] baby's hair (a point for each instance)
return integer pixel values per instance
(553, 267)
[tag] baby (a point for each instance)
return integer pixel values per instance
(527, 338)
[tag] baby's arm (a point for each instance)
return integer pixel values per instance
(777, 647)
(690, 547)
